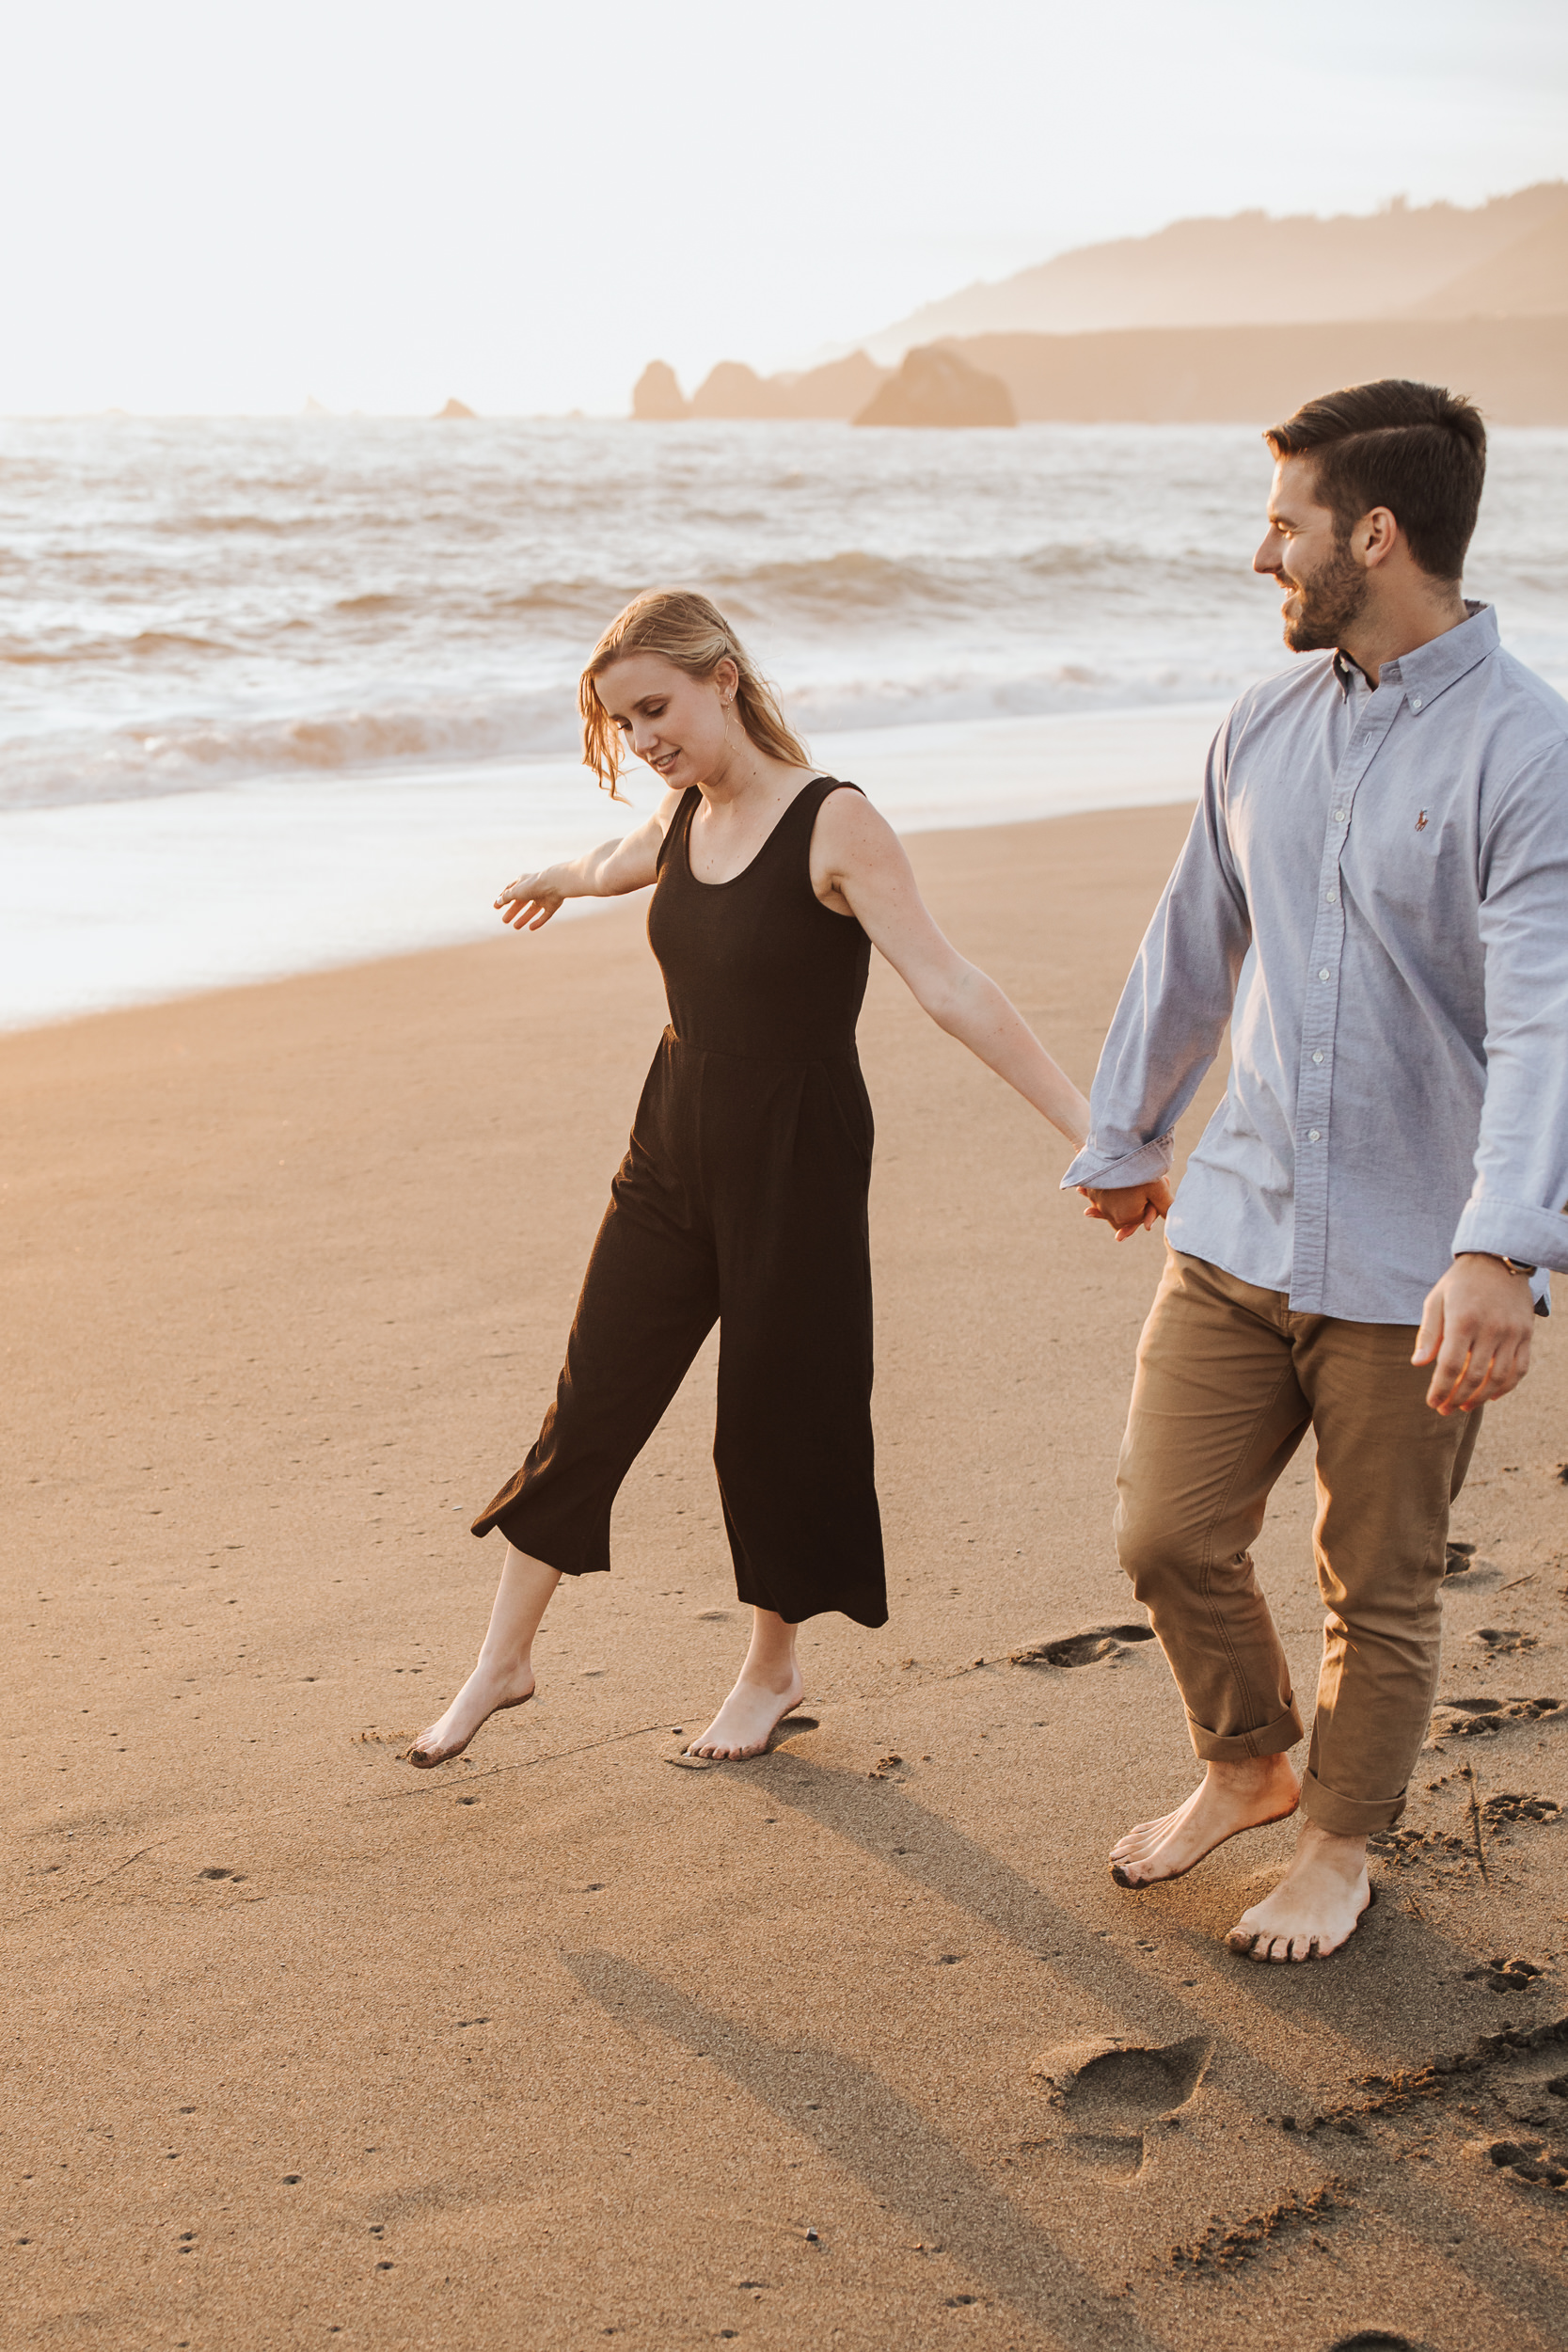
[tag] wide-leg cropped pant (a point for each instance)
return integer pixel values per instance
(742, 1200)
(1229, 1381)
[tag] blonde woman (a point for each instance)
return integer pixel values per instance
(742, 1199)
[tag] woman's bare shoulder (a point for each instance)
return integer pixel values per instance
(848, 820)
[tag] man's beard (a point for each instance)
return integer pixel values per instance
(1330, 602)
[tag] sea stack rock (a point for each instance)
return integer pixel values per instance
(659, 399)
(734, 389)
(935, 387)
(455, 408)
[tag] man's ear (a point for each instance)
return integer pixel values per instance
(1376, 537)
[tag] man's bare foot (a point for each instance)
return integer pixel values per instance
(487, 1689)
(750, 1714)
(1229, 1799)
(1316, 1906)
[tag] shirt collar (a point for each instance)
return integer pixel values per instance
(1433, 668)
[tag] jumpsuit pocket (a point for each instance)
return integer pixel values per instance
(851, 1106)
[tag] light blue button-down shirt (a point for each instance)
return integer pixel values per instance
(1374, 893)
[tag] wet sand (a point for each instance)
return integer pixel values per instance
(562, 2044)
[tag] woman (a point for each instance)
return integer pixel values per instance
(743, 1195)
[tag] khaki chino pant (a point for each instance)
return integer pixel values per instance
(1228, 1382)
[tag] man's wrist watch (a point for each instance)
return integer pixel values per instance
(1514, 1266)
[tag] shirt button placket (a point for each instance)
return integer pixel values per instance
(1317, 1039)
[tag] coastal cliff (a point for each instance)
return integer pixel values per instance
(1515, 368)
(838, 389)
(938, 385)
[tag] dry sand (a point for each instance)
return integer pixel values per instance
(561, 2045)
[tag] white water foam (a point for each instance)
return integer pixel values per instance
(104, 907)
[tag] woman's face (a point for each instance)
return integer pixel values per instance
(675, 723)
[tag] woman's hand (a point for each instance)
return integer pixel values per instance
(607, 872)
(528, 902)
(1129, 1209)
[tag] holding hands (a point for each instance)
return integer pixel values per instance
(1130, 1207)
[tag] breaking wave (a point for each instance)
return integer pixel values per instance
(191, 605)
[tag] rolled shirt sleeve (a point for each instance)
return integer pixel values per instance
(1179, 996)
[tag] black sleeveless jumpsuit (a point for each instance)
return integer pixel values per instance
(741, 1199)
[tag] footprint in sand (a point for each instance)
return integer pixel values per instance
(1082, 1648)
(1511, 1806)
(1109, 2094)
(1482, 1718)
(1498, 1641)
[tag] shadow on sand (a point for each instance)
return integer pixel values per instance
(855, 2119)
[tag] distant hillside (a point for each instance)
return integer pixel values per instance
(1516, 369)
(1528, 280)
(1250, 270)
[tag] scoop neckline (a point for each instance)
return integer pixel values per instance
(763, 846)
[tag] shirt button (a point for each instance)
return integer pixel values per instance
(1332, 897)
(1312, 1135)
(1318, 1056)
(1323, 973)
(1338, 816)
(1414, 702)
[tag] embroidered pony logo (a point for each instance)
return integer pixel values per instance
(1421, 822)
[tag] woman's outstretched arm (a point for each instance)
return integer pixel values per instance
(607, 872)
(859, 860)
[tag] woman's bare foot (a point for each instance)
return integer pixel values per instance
(749, 1717)
(768, 1689)
(1229, 1799)
(1316, 1906)
(504, 1674)
(485, 1692)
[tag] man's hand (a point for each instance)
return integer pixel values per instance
(1131, 1208)
(1475, 1332)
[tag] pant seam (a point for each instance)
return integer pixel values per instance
(1206, 1581)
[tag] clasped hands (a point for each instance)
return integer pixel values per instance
(1128, 1208)
(1476, 1325)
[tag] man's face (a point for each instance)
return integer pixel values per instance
(1325, 588)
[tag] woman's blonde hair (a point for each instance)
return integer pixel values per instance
(686, 629)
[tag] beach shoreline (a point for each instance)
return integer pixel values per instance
(306, 2041)
(132, 901)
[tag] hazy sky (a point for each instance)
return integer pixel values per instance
(213, 204)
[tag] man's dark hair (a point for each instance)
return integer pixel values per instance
(1413, 448)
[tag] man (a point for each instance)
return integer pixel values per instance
(1374, 893)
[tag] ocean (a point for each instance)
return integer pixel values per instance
(250, 667)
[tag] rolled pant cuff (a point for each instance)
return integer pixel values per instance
(1219, 1747)
(1346, 1816)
